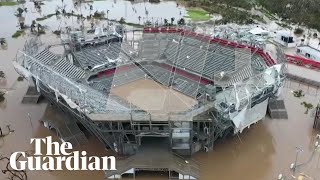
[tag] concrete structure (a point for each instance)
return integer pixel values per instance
(285, 38)
(185, 88)
(309, 52)
(259, 31)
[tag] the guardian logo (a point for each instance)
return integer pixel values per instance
(60, 158)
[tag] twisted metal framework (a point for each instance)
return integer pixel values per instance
(114, 120)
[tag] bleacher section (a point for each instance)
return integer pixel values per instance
(220, 57)
(171, 51)
(46, 57)
(153, 45)
(128, 76)
(180, 83)
(160, 74)
(242, 74)
(198, 57)
(102, 85)
(216, 63)
(186, 87)
(192, 61)
(191, 58)
(69, 70)
(93, 56)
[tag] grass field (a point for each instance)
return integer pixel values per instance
(198, 15)
(9, 3)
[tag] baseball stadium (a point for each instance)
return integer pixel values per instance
(172, 91)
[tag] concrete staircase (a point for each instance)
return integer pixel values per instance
(32, 96)
(67, 130)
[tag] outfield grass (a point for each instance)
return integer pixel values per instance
(198, 15)
(10, 3)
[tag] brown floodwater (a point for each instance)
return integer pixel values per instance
(259, 153)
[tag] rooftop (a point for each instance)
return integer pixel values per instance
(310, 50)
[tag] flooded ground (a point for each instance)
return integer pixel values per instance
(113, 9)
(259, 153)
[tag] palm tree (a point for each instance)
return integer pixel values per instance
(33, 25)
(165, 22)
(39, 27)
(2, 96)
(307, 106)
(57, 12)
(2, 42)
(21, 23)
(2, 75)
(172, 20)
(20, 11)
(298, 93)
(181, 22)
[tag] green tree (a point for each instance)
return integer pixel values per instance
(181, 22)
(2, 98)
(172, 20)
(307, 106)
(20, 11)
(2, 42)
(166, 22)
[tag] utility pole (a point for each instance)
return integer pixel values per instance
(294, 166)
(29, 116)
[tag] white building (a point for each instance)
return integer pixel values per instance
(285, 38)
(309, 52)
(259, 32)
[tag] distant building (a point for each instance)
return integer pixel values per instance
(309, 52)
(259, 32)
(285, 38)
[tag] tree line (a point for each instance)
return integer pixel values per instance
(301, 12)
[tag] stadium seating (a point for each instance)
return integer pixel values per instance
(90, 56)
(102, 85)
(131, 75)
(188, 51)
(186, 87)
(46, 57)
(258, 63)
(180, 83)
(163, 76)
(65, 68)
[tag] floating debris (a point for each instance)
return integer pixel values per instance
(307, 106)
(20, 78)
(298, 93)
